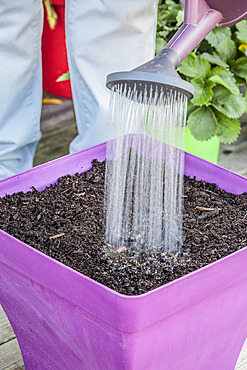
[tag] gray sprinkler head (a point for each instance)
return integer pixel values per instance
(159, 74)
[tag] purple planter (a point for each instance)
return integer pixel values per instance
(65, 320)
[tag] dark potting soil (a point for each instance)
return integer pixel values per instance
(66, 222)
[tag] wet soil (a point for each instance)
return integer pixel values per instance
(66, 222)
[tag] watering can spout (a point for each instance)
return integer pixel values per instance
(200, 17)
(197, 24)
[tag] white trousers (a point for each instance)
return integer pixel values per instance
(102, 36)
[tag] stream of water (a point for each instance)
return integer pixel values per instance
(144, 185)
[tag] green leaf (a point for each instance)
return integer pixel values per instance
(204, 47)
(195, 66)
(187, 67)
(160, 44)
(180, 17)
(164, 33)
(239, 67)
(217, 35)
(240, 81)
(228, 129)
(170, 16)
(242, 31)
(203, 91)
(173, 5)
(63, 77)
(202, 123)
(190, 107)
(203, 67)
(245, 97)
(214, 59)
(227, 49)
(231, 105)
(224, 77)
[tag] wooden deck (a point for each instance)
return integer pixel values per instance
(59, 129)
(10, 354)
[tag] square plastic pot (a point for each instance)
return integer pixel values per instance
(65, 320)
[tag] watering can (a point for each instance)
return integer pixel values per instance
(200, 17)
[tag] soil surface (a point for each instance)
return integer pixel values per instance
(66, 222)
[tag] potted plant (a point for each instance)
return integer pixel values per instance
(54, 53)
(63, 319)
(217, 69)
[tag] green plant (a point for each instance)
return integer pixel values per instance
(217, 68)
(63, 77)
